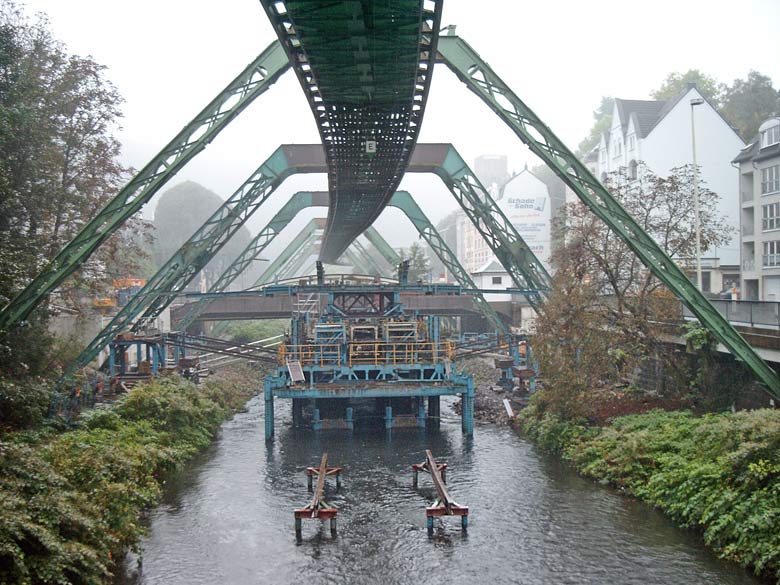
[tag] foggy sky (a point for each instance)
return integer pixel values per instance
(168, 58)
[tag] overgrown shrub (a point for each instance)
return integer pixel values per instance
(71, 501)
(23, 403)
(719, 473)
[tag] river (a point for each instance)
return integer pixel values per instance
(227, 518)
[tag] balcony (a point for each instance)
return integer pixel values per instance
(747, 196)
(748, 230)
(749, 265)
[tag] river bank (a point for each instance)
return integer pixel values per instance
(72, 501)
(717, 474)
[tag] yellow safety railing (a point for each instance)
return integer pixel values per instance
(399, 353)
(319, 354)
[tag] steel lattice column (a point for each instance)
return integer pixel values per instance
(472, 70)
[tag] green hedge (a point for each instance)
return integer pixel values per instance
(71, 502)
(719, 473)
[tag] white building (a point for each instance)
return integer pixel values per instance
(658, 133)
(525, 200)
(759, 185)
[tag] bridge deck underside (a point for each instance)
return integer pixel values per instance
(365, 68)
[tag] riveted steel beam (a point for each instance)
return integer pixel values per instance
(201, 247)
(478, 76)
(365, 68)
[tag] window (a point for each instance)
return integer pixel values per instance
(706, 282)
(497, 280)
(632, 170)
(772, 253)
(631, 142)
(771, 219)
(617, 149)
(770, 180)
(770, 136)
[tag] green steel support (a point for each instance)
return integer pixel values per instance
(381, 245)
(301, 200)
(406, 203)
(292, 249)
(525, 269)
(194, 254)
(294, 267)
(358, 262)
(469, 67)
(258, 76)
(367, 261)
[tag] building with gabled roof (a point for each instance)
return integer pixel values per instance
(658, 134)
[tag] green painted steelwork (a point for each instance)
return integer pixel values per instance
(406, 203)
(299, 201)
(292, 249)
(255, 79)
(287, 160)
(303, 200)
(365, 68)
(483, 81)
(194, 254)
(514, 254)
(368, 263)
(391, 256)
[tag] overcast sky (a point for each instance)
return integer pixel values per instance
(169, 58)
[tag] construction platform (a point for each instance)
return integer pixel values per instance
(357, 343)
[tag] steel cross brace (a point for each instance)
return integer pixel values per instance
(385, 250)
(366, 260)
(303, 200)
(194, 254)
(472, 70)
(291, 252)
(255, 79)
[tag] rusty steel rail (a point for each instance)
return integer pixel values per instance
(318, 508)
(444, 505)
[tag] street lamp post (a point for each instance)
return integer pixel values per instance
(697, 222)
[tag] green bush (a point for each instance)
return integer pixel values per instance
(719, 474)
(72, 501)
(23, 403)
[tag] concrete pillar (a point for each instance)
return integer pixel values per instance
(316, 422)
(349, 419)
(388, 417)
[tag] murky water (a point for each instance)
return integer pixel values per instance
(228, 517)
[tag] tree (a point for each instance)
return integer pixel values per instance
(419, 266)
(58, 167)
(747, 103)
(602, 117)
(605, 308)
(675, 83)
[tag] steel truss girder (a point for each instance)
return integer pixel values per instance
(366, 261)
(469, 67)
(291, 252)
(385, 250)
(441, 159)
(406, 203)
(254, 80)
(365, 69)
(194, 254)
(303, 200)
